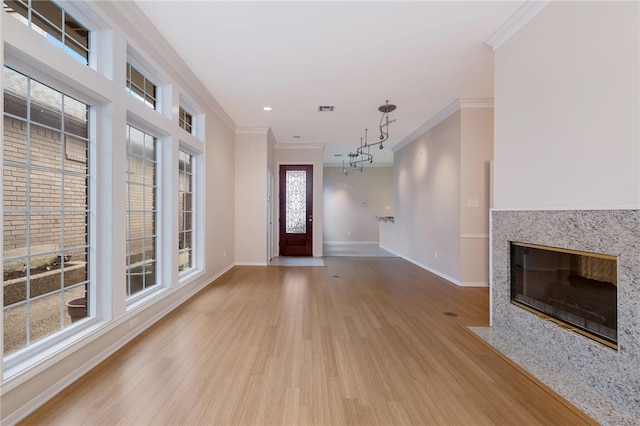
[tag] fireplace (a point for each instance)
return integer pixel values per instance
(575, 289)
(612, 373)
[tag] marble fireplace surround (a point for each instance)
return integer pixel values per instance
(610, 373)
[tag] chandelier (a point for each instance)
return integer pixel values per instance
(363, 152)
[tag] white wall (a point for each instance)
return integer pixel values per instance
(352, 202)
(567, 109)
(220, 199)
(251, 155)
(427, 199)
(441, 193)
(295, 154)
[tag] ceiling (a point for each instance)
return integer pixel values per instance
(296, 56)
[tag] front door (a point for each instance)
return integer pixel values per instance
(296, 210)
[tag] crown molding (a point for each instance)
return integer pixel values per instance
(443, 115)
(519, 19)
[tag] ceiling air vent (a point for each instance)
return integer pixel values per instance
(326, 108)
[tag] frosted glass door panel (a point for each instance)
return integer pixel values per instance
(296, 181)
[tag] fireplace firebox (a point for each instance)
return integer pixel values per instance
(577, 290)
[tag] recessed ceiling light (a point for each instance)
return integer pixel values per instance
(267, 108)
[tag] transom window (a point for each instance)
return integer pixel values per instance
(45, 211)
(185, 120)
(185, 211)
(141, 87)
(54, 23)
(141, 211)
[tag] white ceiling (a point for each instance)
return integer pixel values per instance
(296, 56)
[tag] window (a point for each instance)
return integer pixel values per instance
(45, 211)
(140, 87)
(141, 211)
(54, 23)
(185, 120)
(185, 211)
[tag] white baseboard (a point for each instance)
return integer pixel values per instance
(425, 267)
(473, 284)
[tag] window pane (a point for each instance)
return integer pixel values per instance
(46, 149)
(141, 216)
(46, 277)
(149, 176)
(75, 304)
(45, 190)
(45, 316)
(77, 37)
(14, 328)
(46, 20)
(296, 205)
(136, 223)
(14, 147)
(135, 141)
(149, 147)
(187, 163)
(180, 219)
(184, 260)
(75, 192)
(75, 230)
(15, 235)
(39, 229)
(15, 282)
(185, 120)
(137, 81)
(187, 239)
(76, 117)
(139, 86)
(48, 17)
(187, 202)
(46, 105)
(149, 249)
(135, 173)
(76, 153)
(45, 233)
(75, 268)
(185, 213)
(15, 93)
(15, 188)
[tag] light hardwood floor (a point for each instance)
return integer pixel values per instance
(360, 341)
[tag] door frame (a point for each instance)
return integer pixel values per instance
(276, 204)
(270, 215)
